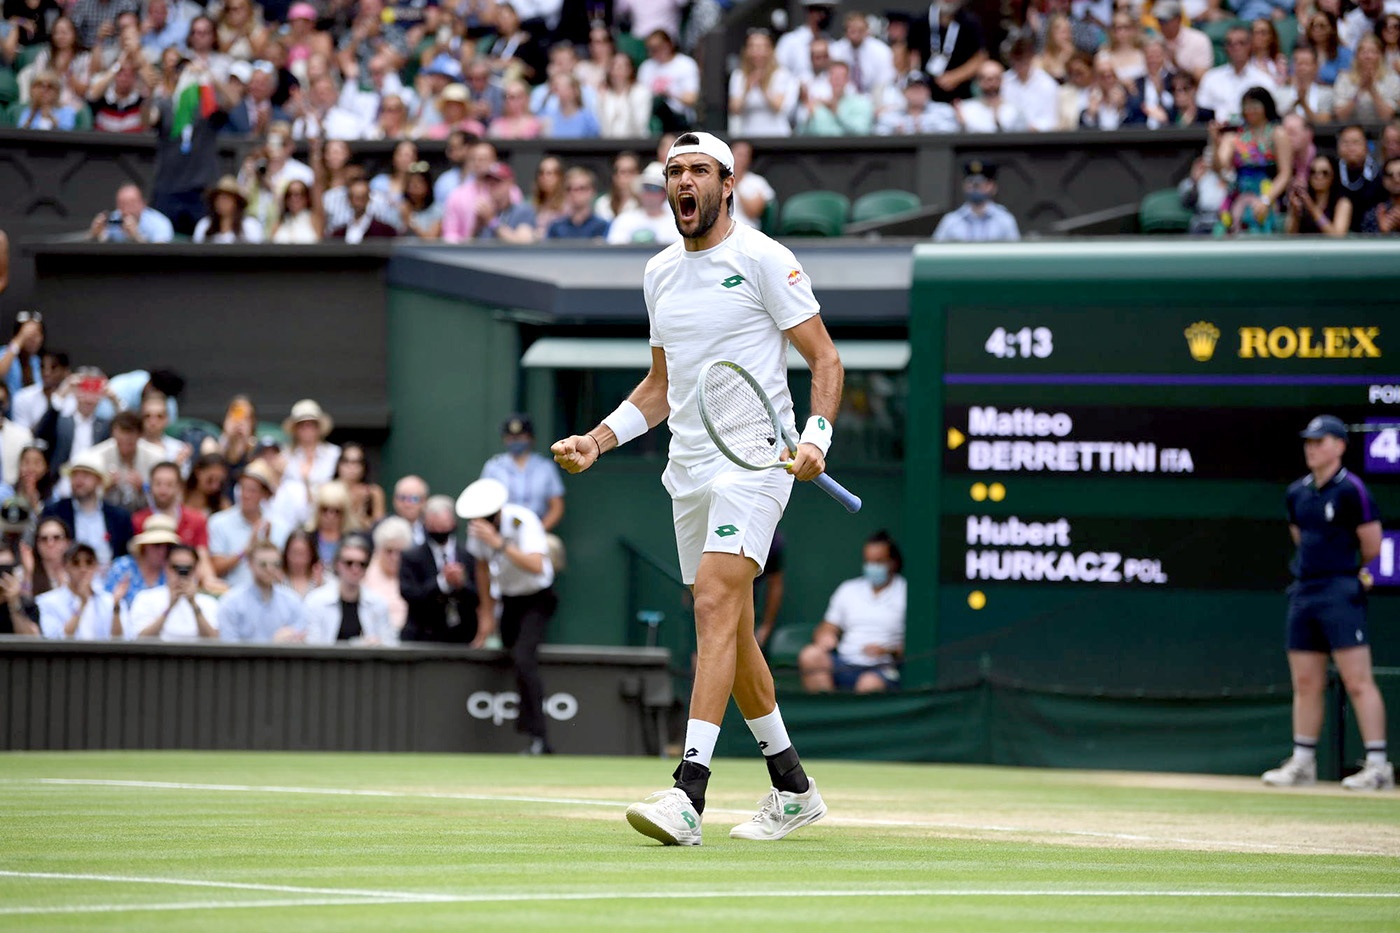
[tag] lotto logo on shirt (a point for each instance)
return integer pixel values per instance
(794, 276)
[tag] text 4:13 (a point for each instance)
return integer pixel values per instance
(1038, 342)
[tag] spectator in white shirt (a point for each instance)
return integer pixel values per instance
(1029, 89)
(673, 80)
(762, 94)
(989, 112)
(1304, 95)
(920, 114)
(78, 610)
(1188, 49)
(32, 402)
(871, 61)
(1363, 20)
(752, 192)
(343, 610)
(860, 642)
(793, 51)
(325, 118)
(312, 460)
(227, 221)
(1222, 89)
(651, 221)
(176, 611)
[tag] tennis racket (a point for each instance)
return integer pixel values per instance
(744, 425)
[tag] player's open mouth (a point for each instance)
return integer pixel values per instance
(687, 206)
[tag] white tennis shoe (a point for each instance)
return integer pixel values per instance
(667, 816)
(1372, 777)
(1294, 772)
(780, 813)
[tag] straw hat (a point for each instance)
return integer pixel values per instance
(89, 461)
(259, 471)
(227, 185)
(482, 499)
(159, 529)
(307, 410)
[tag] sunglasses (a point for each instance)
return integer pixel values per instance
(354, 564)
(268, 565)
(352, 460)
(53, 537)
(332, 508)
(182, 569)
(84, 562)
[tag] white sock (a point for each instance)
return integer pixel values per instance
(700, 739)
(770, 733)
(1305, 747)
(1375, 753)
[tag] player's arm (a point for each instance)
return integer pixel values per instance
(828, 376)
(643, 410)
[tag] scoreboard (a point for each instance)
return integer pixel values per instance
(1100, 437)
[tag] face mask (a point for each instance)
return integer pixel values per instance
(876, 574)
(516, 448)
(978, 197)
(440, 537)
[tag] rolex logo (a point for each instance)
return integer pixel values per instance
(1200, 339)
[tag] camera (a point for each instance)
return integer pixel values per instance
(6, 569)
(183, 570)
(115, 218)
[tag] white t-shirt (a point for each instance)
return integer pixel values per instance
(978, 117)
(866, 617)
(1038, 98)
(757, 117)
(523, 529)
(751, 184)
(637, 226)
(730, 302)
(180, 624)
(56, 607)
(1222, 89)
(678, 76)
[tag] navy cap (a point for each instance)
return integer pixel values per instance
(978, 167)
(518, 424)
(1324, 426)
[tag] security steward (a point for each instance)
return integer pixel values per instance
(512, 563)
(1332, 519)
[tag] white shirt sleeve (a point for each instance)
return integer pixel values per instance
(786, 288)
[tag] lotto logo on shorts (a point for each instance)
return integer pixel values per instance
(725, 531)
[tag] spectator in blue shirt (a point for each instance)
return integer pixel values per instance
(578, 221)
(132, 221)
(572, 118)
(264, 610)
(532, 480)
(44, 111)
(980, 219)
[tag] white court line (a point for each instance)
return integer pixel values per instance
(614, 804)
(537, 897)
(194, 883)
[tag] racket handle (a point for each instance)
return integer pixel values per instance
(849, 500)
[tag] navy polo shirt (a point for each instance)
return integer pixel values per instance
(1327, 519)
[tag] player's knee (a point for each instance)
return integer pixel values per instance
(1308, 683)
(870, 682)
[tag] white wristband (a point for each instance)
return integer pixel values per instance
(627, 422)
(817, 433)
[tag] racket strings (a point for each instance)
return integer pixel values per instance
(739, 418)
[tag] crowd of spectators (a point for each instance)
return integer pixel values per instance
(119, 520)
(323, 75)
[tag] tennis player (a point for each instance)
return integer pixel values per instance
(725, 291)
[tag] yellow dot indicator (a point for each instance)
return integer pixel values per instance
(978, 492)
(996, 492)
(977, 599)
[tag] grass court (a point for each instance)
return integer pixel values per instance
(213, 842)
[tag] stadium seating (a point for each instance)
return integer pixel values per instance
(786, 643)
(1162, 212)
(9, 87)
(814, 213)
(886, 203)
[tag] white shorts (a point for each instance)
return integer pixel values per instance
(735, 511)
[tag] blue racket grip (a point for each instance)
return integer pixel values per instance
(849, 500)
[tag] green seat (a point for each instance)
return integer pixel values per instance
(786, 643)
(178, 428)
(26, 56)
(633, 47)
(273, 429)
(82, 120)
(887, 203)
(9, 87)
(1287, 34)
(1162, 212)
(768, 223)
(814, 213)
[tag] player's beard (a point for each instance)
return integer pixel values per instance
(707, 208)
